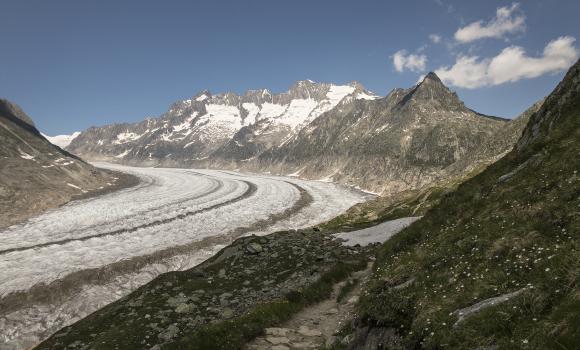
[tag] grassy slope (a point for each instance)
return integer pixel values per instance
(140, 319)
(489, 238)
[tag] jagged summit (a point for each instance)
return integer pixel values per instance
(431, 76)
(431, 81)
(432, 93)
(202, 95)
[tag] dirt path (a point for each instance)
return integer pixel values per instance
(316, 325)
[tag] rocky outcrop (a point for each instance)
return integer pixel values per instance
(36, 175)
(556, 111)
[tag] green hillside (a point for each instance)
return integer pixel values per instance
(510, 232)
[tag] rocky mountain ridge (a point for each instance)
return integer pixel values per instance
(193, 129)
(409, 139)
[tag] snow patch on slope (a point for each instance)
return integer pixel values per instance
(186, 124)
(333, 97)
(202, 98)
(271, 110)
(253, 111)
(125, 137)
(376, 234)
(297, 113)
(25, 155)
(223, 114)
(365, 96)
(123, 154)
(338, 92)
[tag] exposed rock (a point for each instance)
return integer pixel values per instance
(279, 332)
(277, 340)
(254, 248)
(184, 308)
(170, 333)
(305, 331)
(405, 284)
(280, 347)
(464, 313)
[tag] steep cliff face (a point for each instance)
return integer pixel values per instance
(35, 174)
(409, 139)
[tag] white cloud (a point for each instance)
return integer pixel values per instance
(435, 38)
(507, 20)
(412, 62)
(467, 72)
(510, 65)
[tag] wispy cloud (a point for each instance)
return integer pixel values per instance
(435, 38)
(510, 65)
(449, 7)
(507, 20)
(412, 62)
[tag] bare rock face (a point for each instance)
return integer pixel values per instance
(554, 111)
(34, 174)
(409, 139)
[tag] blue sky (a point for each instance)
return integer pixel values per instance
(72, 64)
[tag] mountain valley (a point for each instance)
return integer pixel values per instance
(492, 264)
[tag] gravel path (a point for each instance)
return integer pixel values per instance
(317, 325)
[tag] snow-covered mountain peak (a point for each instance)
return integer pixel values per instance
(62, 140)
(202, 96)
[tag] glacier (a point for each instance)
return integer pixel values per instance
(63, 265)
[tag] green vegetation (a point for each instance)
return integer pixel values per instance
(380, 209)
(346, 289)
(514, 227)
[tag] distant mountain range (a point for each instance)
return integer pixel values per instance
(409, 139)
